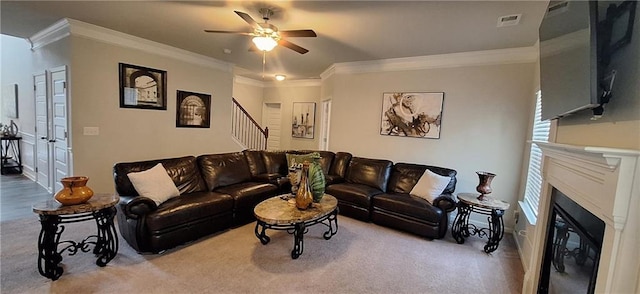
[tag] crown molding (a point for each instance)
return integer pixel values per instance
(473, 58)
(57, 31)
(248, 81)
(294, 83)
(67, 26)
(278, 84)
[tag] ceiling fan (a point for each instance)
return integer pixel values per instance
(266, 36)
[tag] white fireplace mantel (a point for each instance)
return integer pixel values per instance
(605, 182)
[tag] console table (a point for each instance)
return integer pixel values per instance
(13, 163)
(494, 208)
(101, 208)
(280, 213)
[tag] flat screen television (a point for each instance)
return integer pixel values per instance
(568, 58)
(577, 42)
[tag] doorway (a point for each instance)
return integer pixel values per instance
(271, 118)
(53, 160)
(325, 120)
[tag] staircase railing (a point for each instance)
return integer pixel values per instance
(246, 130)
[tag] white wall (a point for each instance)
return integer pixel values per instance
(250, 96)
(17, 69)
(127, 134)
(286, 95)
(484, 122)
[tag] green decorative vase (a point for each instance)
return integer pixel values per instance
(316, 181)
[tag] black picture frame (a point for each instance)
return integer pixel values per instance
(142, 87)
(303, 120)
(193, 110)
(412, 114)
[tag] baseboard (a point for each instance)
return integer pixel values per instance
(520, 252)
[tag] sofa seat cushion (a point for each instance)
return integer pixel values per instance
(248, 194)
(358, 194)
(405, 204)
(187, 208)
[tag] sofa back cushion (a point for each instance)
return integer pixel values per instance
(275, 162)
(219, 170)
(404, 177)
(183, 171)
(255, 161)
(340, 163)
(325, 161)
(371, 172)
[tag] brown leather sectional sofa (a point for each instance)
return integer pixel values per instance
(219, 191)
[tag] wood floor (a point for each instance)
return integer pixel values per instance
(17, 194)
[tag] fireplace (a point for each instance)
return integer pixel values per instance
(590, 200)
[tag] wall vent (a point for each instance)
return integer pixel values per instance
(557, 8)
(509, 20)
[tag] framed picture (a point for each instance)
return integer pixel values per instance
(303, 121)
(142, 87)
(193, 110)
(10, 100)
(412, 114)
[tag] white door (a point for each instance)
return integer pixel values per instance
(43, 152)
(271, 118)
(61, 161)
(325, 125)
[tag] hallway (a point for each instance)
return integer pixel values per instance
(17, 194)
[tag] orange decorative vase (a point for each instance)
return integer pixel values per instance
(304, 198)
(74, 191)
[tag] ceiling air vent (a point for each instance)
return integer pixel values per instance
(556, 8)
(509, 20)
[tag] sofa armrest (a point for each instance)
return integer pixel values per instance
(136, 206)
(445, 202)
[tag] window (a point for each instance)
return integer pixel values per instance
(534, 175)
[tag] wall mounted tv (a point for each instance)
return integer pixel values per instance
(576, 44)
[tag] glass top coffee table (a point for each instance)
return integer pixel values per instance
(279, 213)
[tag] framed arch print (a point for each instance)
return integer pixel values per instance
(193, 110)
(142, 87)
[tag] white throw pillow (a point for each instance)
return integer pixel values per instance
(154, 183)
(430, 186)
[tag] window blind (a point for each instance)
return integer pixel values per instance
(534, 174)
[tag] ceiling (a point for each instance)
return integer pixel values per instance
(347, 30)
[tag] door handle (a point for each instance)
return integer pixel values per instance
(43, 138)
(52, 141)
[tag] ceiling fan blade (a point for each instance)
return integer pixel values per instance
(229, 32)
(298, 33)
(292, 46)
(249, 20)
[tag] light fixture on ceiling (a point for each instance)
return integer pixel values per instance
(281, 77)
(265, 43)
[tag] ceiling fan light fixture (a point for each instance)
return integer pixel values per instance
(264, 43)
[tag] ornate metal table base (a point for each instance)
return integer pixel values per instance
(560, 250)
(105, 243)
(462, 228)
(298, 230)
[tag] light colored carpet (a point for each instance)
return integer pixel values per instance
(361, 258)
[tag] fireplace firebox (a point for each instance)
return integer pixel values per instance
(572, 251)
